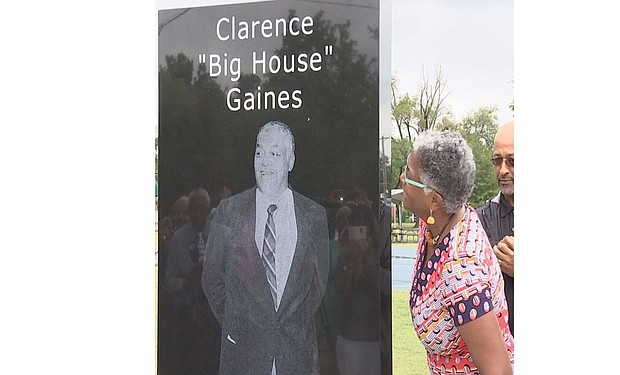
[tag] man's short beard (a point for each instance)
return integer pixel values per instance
(507, 190)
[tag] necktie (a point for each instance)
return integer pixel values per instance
(202, 248)
(269, 253)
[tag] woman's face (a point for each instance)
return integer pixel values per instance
(414, 197)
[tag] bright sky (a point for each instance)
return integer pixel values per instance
(472, 42)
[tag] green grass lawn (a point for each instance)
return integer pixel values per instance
(408, 354)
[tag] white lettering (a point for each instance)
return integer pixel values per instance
(306, 25)
(274, 59)
(266, 28)
(256, 62)
(243, 30)
(235, 69)
(297, 99)
(290, 26)
(315, 61)
(234, 104)
(259, 100)
(214, 63)
(219, 35)
(230, 29)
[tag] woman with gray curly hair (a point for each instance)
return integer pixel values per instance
(457, 300)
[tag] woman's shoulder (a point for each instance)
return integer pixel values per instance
(470, 239)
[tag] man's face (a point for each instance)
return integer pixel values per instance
(198, 208)
(503, 155)
(180, 215)
(273, 160)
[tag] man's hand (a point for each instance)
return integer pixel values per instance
(504, 251)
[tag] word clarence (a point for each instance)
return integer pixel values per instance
(231, 29)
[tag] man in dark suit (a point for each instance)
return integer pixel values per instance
(266, 267)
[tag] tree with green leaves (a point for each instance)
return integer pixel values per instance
(403, 110)
(185, 127)
(400, 150)
(478, 128)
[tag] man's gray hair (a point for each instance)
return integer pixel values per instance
(282, 127)
(447, 165)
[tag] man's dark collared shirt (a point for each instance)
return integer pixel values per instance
(497, 217)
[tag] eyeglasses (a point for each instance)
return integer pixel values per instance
(413, 182)
(416, 183)
(497, 161)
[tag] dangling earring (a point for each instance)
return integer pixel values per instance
(431, 219)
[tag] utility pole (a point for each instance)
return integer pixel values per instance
(383, 179)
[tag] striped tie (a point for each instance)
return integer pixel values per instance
(269, 253)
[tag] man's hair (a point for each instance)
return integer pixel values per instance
(200, 191)
(283, 128)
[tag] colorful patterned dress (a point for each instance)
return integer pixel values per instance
(460, 282)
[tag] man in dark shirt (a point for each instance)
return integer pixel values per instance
(497, 214)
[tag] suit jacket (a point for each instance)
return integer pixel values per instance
(234, 281)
